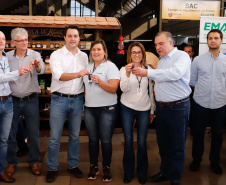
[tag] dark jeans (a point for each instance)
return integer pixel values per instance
(171, 128)
(100, 123)
(142, 121)
(201, 115)
(30, 109)
(21, 136)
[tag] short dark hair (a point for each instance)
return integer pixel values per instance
(71, 27)
(215, 30)
(188, 45)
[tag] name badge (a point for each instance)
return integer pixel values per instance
(139, 91)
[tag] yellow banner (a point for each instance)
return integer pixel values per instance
(191, 10)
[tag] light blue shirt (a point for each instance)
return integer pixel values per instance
(6, 76)
(208, 76)
(95, 96)
(172, 76)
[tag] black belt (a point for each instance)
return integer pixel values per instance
(4, 97)
(67, 95)
(166, 104)
(25, 97)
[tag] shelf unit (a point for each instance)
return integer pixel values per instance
(83, 45)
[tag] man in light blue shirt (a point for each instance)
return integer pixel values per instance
(6, 105)
(208, 76)
(172, 92)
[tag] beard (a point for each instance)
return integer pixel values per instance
(214, 47)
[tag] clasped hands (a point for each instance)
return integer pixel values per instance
(94, 78)
(33, 63)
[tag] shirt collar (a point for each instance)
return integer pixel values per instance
(28, 52)
(65, 50)
(171, 53)
(211, 55)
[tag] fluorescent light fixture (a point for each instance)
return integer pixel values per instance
(127, 40)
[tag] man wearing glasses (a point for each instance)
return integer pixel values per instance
(25, 99)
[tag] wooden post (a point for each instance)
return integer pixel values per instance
(96, 8)
(222, 8)
(98, 33)
(160, 16)
(30, 7)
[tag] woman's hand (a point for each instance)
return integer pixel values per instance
(151, 118)
(128, 69)
(95, 78)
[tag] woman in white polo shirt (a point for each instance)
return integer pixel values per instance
(100, 107)
(137, 103)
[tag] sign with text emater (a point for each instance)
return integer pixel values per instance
(207, 24)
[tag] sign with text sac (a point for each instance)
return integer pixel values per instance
(191, 10)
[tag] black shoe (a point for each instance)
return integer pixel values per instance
(107, 174)
(76, 172)
(195, 165)
(159, 177)
(21, 153)
(216, 168)
(51, 176)
(175, 183)
(93, 172)
(142, 180)
(127, 179)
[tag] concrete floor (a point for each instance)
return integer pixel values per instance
(203, 177)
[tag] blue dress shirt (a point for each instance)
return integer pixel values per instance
(6, 76)
(209, 78)
(172, 76)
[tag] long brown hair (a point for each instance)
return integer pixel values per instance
(100, 41)
(138, 44)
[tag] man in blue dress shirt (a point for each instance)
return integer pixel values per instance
(172, 92)
(208, 76)
(6, 105)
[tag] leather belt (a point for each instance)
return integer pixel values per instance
(4, 97)
(25, 97)
(67, 95)
(166, 104)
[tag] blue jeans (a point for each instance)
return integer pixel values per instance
(142, 121)
(6, 117)
(30, 109)
(200, 116)
(100, 123)
(60, 108)
(171, 128)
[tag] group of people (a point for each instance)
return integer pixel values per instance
(73, 74)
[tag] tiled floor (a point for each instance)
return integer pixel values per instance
(203, 177)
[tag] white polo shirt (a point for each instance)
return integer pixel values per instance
(95, 96)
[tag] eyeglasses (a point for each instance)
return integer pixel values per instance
(20, 41)
(134, 53)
